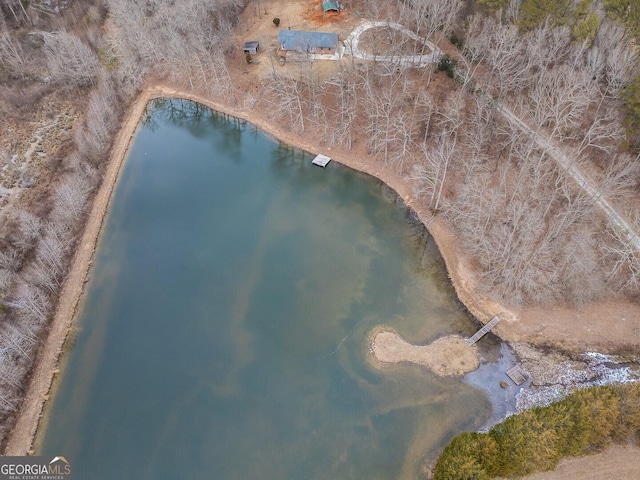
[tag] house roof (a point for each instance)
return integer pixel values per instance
(251, 44)
(304, 41)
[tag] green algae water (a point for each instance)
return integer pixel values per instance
(224, 331)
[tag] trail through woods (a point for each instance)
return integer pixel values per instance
(554, 151)
(584, 182)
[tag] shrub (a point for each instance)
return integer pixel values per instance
(631, 97)
(468, 456)
(455, 41)
(446, 64)
(276, 22)
(248, 58)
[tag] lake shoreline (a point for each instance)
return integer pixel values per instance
(21, 438)
(46, 365)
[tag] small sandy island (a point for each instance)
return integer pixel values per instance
(446, 356)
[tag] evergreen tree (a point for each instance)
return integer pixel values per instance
(493, 6)
(625, 11)
(582, 9)
(586, 28)
(631, 97)
(534, 12)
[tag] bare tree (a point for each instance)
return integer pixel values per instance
(12, 55)
(94, 136)
(7, 278)
(71, 197)
(30, 228)
(33, 304)
(287, 102)
(626, 258)
(560, 98)
(343, 133)
(69, 60)
(479, 133)
(433, 18)
(10, 259)
(11, 372)
(17, 11)
(620, 178)
(547, 45)
(186, 43)
(579, 260)
(430, 175)
(522, 216)
(509, 66)
(404, 130)
(385, 95)
(604, 133)
(619, 53)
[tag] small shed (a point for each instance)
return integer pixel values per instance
(251, 47)
(329, 6)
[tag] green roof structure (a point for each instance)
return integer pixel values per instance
(329, 6)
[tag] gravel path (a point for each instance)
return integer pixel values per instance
(565, 162)
(583, 181)
(353, 41)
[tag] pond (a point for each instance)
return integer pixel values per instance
(224, 330)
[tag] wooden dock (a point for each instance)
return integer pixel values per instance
(517, 374)
(321, 160)
(483, 331)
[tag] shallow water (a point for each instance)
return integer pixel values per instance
(491, 377)
(224, 330)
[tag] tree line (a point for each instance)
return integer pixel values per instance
(585, 422)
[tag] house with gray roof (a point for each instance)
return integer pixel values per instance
(313, 43)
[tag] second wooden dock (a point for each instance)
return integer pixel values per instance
(483, 331)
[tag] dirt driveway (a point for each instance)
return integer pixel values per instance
(615, 463)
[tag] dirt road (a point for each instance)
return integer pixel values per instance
(615, 463)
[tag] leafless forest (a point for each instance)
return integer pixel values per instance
(533, 235)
